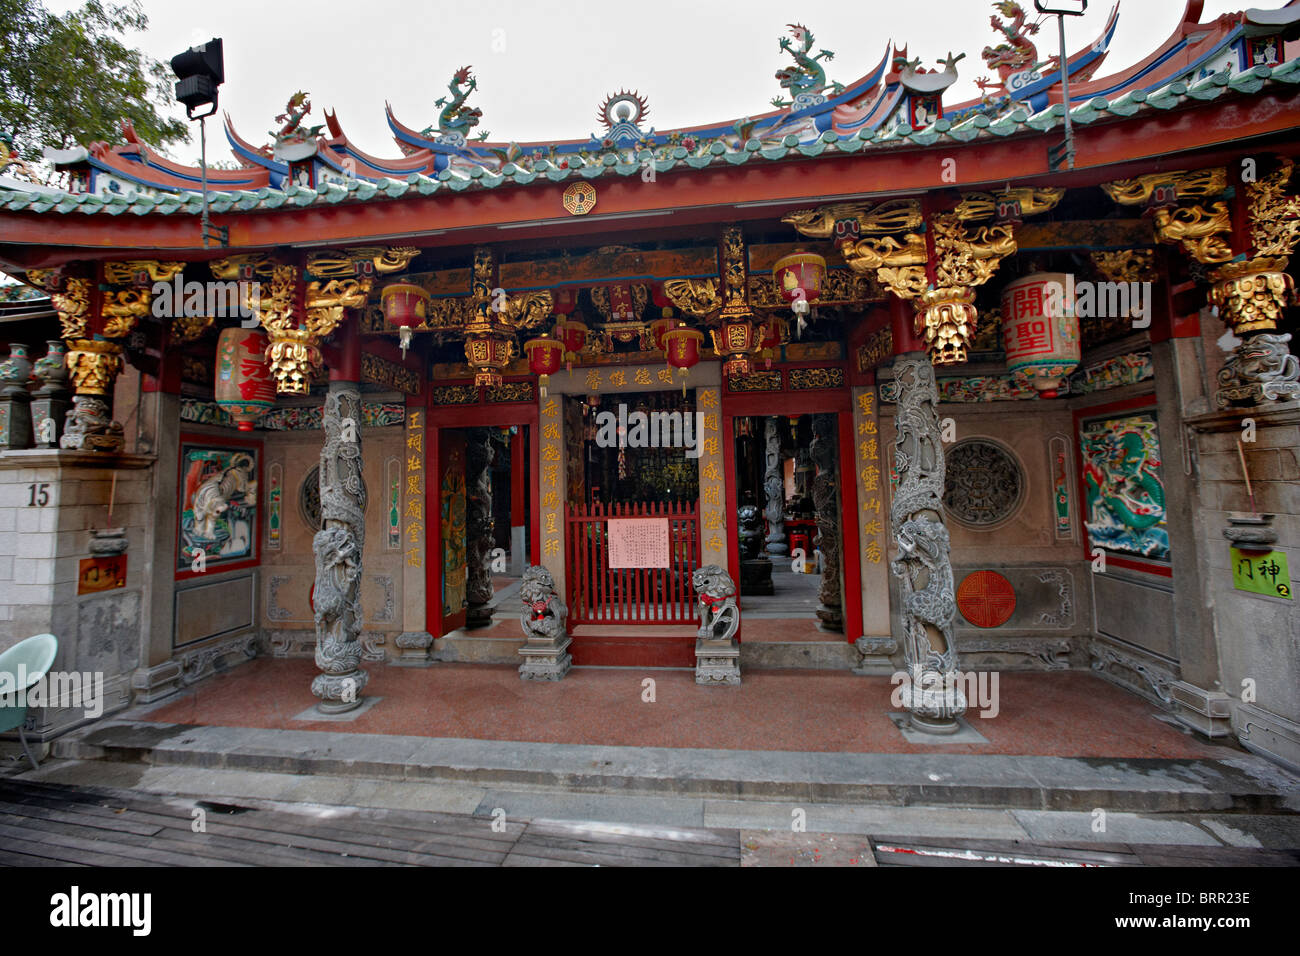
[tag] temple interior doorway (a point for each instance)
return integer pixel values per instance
(788, 517)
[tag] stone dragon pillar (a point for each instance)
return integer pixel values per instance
(338, 548)
(479, 454)
(826, 503)
(929, 606)
(774, 489)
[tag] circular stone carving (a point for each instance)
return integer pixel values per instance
(986, 599)
(309, 498)
(984, 483)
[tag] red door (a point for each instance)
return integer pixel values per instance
(451, 500)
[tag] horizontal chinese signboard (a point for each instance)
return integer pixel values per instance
(638, 542)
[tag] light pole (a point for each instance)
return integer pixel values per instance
(199, 71)
(1062, 9)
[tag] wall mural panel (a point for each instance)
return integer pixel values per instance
(1125, 506)
(218, 506)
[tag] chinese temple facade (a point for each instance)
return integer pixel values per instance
(871, 380)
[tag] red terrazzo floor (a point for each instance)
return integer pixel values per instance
(1058, 714)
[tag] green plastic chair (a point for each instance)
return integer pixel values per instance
(38, 654)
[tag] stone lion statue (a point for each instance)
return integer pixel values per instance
(1260, 369)
(89, 427)
(544, 613)
(716, 593)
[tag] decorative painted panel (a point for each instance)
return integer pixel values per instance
(393, 473)
(274, 496)
(218, 505)
(1058, 452)
(1125, 506)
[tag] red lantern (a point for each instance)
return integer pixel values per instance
(404, 306)
(682, 346)
(661, 325)
(573, 334)
(564, 301)
(244, 387)
(544, 355)
(799, 277)
(736, 340)
(660, 297)
(771, 335)
(1040, 330)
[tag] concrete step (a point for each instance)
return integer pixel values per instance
(1234, 782)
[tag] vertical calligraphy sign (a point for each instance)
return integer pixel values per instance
(550, 454)
(414, 585)
(713, 494)
(872, 514)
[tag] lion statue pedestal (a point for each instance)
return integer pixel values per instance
(545, 650)
(717, 654)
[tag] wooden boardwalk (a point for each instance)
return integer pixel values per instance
(44, 824)
(51, 825)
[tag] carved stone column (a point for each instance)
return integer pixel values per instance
(338, 547)
(932, 692)
(479, 453)
(826, 501)
(774, 489)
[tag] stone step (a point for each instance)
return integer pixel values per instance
(1234, 782)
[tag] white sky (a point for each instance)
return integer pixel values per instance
(543, 67)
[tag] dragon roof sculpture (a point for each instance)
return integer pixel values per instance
(897, 100)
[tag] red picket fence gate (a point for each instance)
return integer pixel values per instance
(599, 594)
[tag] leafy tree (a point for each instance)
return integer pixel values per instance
(72, 79)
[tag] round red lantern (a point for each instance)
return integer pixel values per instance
(660, 297)
(1040, 331)
(682, 346)
(573, 334)
(404, 306)
(661, 325)
(544, 356)
(244, 387)
(735, 340)
(799, 278)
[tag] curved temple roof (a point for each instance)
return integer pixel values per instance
(897, 103)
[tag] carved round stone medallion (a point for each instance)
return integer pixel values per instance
(309, 498)
(984, 484)
(986, 599)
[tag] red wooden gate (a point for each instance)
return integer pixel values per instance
(599, 594)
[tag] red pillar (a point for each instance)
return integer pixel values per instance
(902, 322)
(518, 488)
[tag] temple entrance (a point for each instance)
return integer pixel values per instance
(788, 518)
(632, 526)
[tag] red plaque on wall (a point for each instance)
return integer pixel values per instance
(101, 574)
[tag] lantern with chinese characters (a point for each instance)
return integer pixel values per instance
(770, 336)
(244, 387)
(682, 346)
(544, 355)
(1040, 331)
(573, 333)
(735, 339)
(404, 306)
(799, 277)
(489, 345)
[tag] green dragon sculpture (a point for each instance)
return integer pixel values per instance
(806, 78)
(456, 119)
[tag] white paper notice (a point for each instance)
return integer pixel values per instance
(638, 542)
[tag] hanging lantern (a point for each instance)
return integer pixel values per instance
(799, 277)
(770, 336)
(1040, 330)
(244, 387)
(736, 339)
(661, 325)
(489, 345)
(404, 306)
(564, 301)
(544, 356)
(573, 334)
(682, 346)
